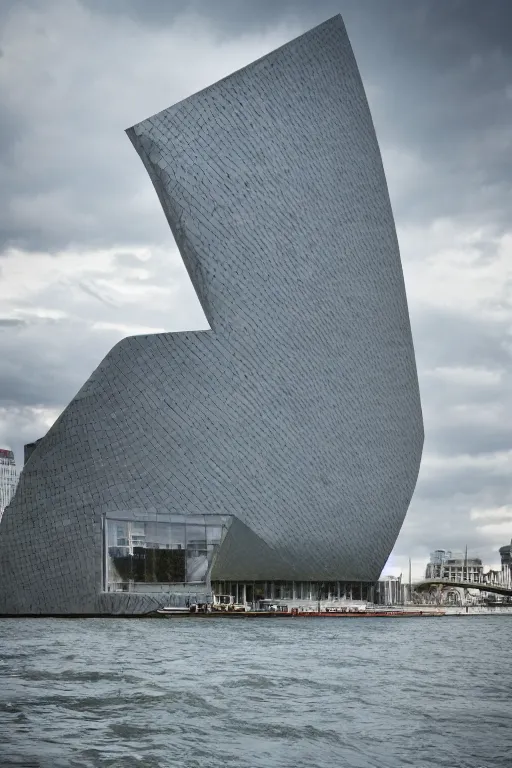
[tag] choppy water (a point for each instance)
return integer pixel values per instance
(310, 693)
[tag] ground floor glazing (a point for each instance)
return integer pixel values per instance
(148, 556)
(325, 591)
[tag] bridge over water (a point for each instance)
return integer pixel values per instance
(494, 588)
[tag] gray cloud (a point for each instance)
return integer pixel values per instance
(448, 63)
(45, 357)
(95, 294)
(8, 322)
(74, 193)
(228, 17)
(472, 340)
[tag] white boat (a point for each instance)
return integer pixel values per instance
(173, 609)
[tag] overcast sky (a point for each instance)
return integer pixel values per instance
(86, 256)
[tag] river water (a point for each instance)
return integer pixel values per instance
(270, 693)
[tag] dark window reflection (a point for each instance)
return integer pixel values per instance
(162, 552)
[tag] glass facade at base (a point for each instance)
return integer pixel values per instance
(140, 555)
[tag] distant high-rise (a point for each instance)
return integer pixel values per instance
(445, 564)
(8, 478)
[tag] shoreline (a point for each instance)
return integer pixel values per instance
(398, 613)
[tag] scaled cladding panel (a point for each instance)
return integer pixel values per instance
(299, 412)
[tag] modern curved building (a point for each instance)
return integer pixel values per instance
(279, 450)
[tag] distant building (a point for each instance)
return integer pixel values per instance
(391, 590)
(8, 478)
(29, 449)
(444, 564)
(438, 557)
(506, 564)
(388, 591)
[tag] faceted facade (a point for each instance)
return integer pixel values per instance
(282, 444)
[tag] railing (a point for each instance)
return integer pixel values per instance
(482, 586)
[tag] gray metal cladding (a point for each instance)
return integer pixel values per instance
(298, 413)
